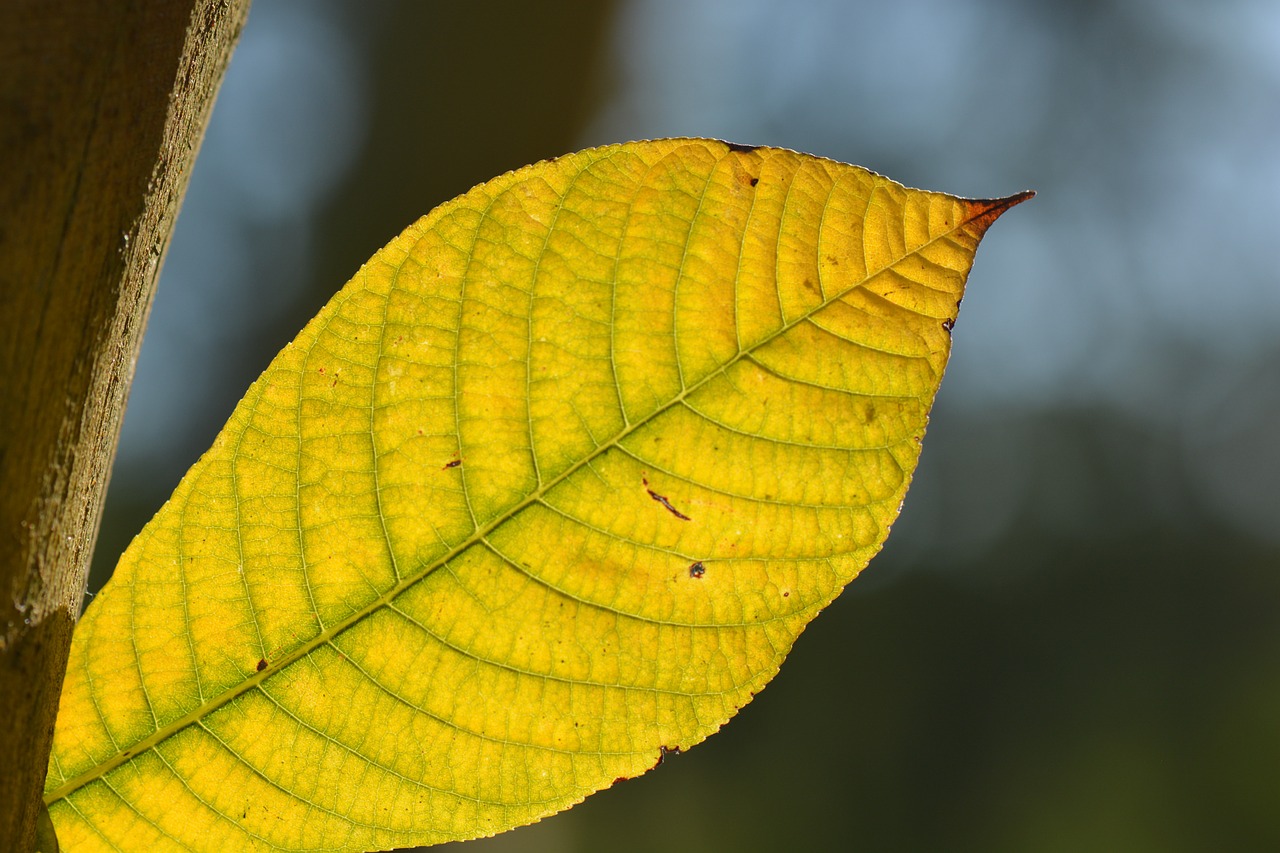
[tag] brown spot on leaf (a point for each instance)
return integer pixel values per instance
(262, 664)
(662, 499)
(452, 463)
(948, 324)
(697, 570)
(741, 149)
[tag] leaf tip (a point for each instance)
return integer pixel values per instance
(984, 211)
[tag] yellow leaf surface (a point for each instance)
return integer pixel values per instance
(550, 486)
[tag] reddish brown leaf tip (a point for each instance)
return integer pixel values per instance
(984, 211)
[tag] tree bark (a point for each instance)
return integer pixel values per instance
(102, 107)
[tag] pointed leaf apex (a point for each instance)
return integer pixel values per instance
(985, 211)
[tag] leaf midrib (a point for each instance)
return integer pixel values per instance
(483, 531)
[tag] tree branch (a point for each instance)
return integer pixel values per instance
(102, 108)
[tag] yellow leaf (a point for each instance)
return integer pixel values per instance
(550, 487)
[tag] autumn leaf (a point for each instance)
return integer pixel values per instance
(550, 487)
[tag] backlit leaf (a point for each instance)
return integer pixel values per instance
(551, 486)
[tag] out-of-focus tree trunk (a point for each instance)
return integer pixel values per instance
(103, 105)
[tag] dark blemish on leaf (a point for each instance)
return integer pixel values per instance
(948, 324)
(452, 463)
(262, 664)
(786, 594)
(755, 181)
(741, 149)
(697, 570)
(809, 285)
(663, 500)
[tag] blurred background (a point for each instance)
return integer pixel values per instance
(1072, 640)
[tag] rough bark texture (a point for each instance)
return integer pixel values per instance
(102, 107)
